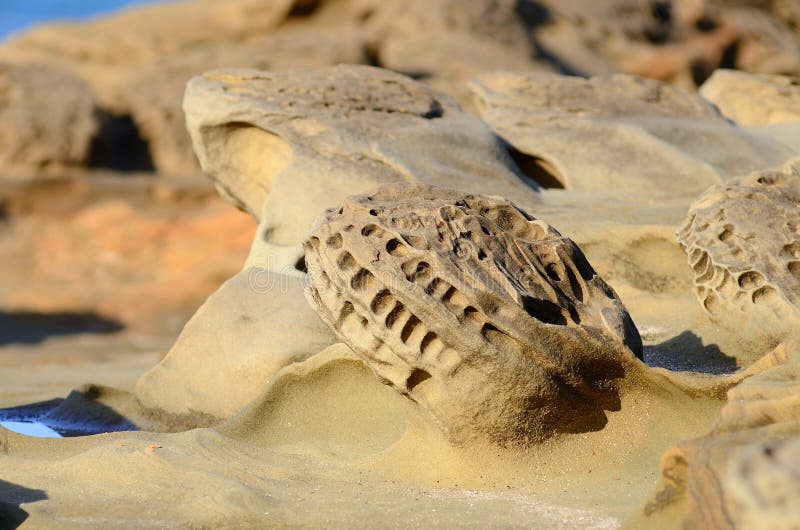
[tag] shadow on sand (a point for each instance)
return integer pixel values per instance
(11, 497)
(30, 327)
(687, 353)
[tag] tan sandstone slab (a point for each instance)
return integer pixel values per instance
(620, 133)
(286, 145)
(754, 99)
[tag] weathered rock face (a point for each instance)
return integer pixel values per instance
(487, 317)
(448, 42)
(743, 244)
(754, 99)
(233, 345)
(41, 127)
(619, 133)
(286, 145)
(156, 102)
(744, 473)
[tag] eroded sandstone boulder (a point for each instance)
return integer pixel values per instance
(486, 316)
(744, 473)
(743, 244)
(754, 99)
(47, 119)
(286, 145)
(619, 133)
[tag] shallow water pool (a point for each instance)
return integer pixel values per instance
(30, 428)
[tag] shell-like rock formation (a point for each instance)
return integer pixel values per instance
(619, 132)
(484, 315)
(287, 145)
(743, 244)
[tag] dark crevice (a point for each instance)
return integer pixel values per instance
(300, 264)
(119, 145)
(436, 111)
(417, 376)
(661, 11)
(532, 14)
(706, 23)
(535, 168)
(660, 28)
(372, 55)
(729, 56)
(543, 310)
(304, 8)
(702, 70)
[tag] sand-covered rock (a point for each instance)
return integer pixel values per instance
(744, 473)
(743, 244)
(286, 145)
(256, 323)
(41, 127)
(619, 133)
(754, 99)
(484, 315)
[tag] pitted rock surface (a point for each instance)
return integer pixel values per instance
(484, 315)
(286, 145)
(743, 244)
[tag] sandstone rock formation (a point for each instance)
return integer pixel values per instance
(136, 61)
(448, 42)
(744, 473)
(619, 132)
(155, 104)
(743, 244)
(256, 323)
(42, 127)
(286, 145)
(754, 99)
(487, 317)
